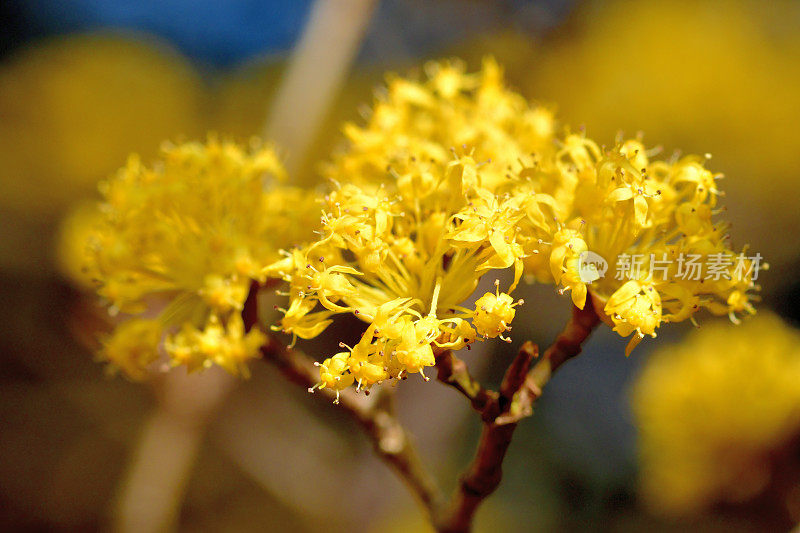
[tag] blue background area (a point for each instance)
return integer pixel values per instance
(224, 33)
(214, 32)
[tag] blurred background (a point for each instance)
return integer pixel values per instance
(85, 82)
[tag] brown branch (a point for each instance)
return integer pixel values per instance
(454, 372)
(485, 472)
(502, 411)
(391, 441)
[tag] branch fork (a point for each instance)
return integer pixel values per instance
(500, 412)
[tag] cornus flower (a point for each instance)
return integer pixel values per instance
(424, 119)
(714, 413)
(456, 175)
(652, 224)
(452, 177)
(178, 246)
(403, 258)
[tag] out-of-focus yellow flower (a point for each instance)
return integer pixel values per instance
(133, 346)
(185, 238)
(225, 345)
(73, 107)
(72, 245)
(713, 409)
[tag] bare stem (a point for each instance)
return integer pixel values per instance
(377, 418)
(391, 441)
(152, 489)
(485, 472)
(328, 46)
(502, 411)
(454, 372)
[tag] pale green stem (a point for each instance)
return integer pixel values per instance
(319, 63)
(151, 492)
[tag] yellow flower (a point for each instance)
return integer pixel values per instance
(404, 259)
(133, 346)
(184, 239)
(564, 263)
(225, 345)
(494, 313)
(456, 175)
(635, 307)
(651, 223)
(712, 409)
(448, 109)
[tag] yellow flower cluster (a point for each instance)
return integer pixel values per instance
(404, 261)
(652, 222)
(711, 410)
(457, 175)
(424, 120)
(182, 241)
